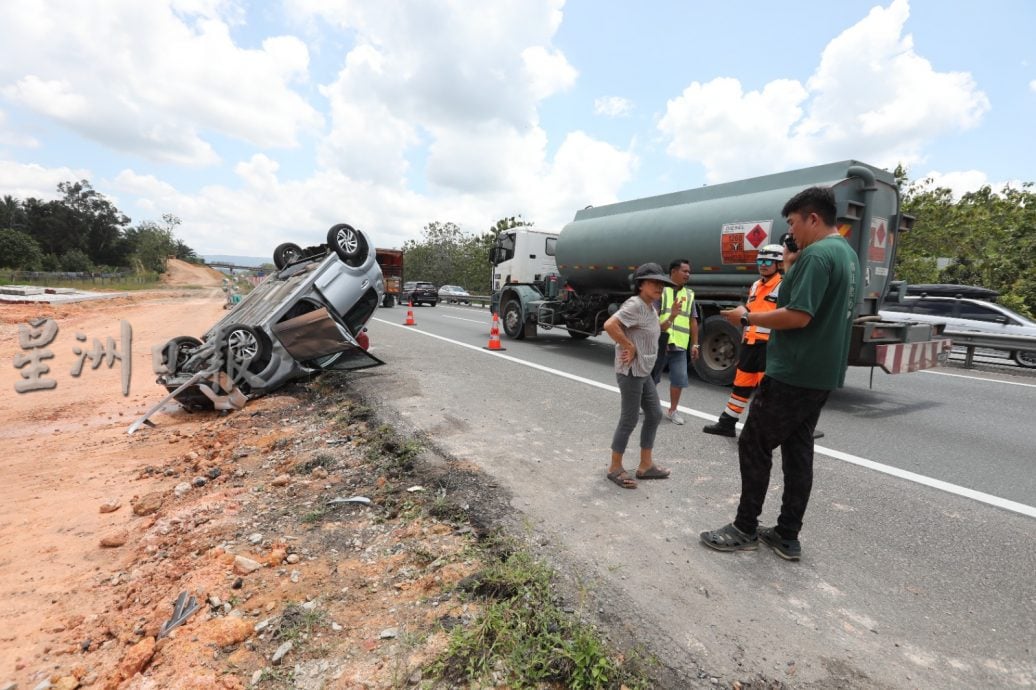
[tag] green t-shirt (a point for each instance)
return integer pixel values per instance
(822, 283)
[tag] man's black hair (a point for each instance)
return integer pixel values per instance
(677, 263)
(818, 200)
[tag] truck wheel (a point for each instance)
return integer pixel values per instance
(349, 245)
(287, 253)
(512, 318)
(720, 344)
(1025, 358)
(388, 301)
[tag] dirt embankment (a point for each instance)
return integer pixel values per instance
(182, 274)
(101, 531)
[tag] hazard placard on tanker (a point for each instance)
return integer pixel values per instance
(739, 242)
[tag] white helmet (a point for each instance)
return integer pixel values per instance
(771, 251)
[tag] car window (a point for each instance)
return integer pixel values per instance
(980, 312)
(897, 306)
(931, 306)
(425, 285)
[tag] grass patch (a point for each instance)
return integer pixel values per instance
(325, 460)
(297, 624)
(523, 639)
(314, 515)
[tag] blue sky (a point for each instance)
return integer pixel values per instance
(260, 123)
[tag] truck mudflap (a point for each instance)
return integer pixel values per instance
(899, 358)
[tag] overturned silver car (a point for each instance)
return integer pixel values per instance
(307, 316)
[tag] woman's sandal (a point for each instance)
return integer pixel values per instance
(729, 538)
(622, 479)
(654, 472)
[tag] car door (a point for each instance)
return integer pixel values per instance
(317, 341)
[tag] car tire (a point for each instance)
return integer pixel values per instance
(176, 351)
(1025, 358)
(287, 253)
(349, 244)
(245, 345)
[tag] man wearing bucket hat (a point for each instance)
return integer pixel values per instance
(635, 329)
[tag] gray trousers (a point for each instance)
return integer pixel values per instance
(637, 392)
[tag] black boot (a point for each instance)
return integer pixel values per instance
(724, 427)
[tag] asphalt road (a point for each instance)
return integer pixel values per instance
(919, 544)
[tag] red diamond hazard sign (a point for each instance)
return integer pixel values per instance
(756, 236)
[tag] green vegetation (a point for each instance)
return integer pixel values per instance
(524, 639)
(83, 232)
(448, 256)
(989, 238)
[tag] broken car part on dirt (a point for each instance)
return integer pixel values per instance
(310, 315)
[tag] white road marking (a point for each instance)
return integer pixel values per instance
(459, 318)
(955, 489)
(977, 378)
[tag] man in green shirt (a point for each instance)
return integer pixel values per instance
(805, 360)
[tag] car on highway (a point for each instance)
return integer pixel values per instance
(966, 315)
(309, 315)
(417, 292)
(454, 293)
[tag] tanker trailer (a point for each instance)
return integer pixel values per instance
(719, 228)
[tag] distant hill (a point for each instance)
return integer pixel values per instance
(251, 261)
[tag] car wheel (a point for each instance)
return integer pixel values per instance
(431, 304)
(247, 348)
(349, 245)
(177, 351)
(287, 253)
(388, 301)
(1025, 358)
(513, 322)
(717, 360)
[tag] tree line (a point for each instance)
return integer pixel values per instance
(83, 231)
(987, 237)
(446, 255)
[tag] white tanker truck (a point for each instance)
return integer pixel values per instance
(577, 278)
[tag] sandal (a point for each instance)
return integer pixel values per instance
(729, 538)
(622, 479)
(788, 549)
(654, 472)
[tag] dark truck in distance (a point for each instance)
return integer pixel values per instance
(391, 262)
(310, 315)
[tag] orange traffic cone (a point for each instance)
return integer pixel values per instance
(410, 315)
(494, 335)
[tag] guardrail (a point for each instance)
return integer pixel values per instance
(971, 340)
(479, 300)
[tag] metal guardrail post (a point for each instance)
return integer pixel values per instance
(969, 357)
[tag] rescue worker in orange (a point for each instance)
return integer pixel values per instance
(751, 362)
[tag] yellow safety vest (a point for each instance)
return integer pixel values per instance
(680, 331)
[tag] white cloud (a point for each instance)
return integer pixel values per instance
(871, 97)
(963, 181)
(24, 181)
(1032, 85)
(431, 115)
(464, 77)
(143, 78)
(613, 106)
